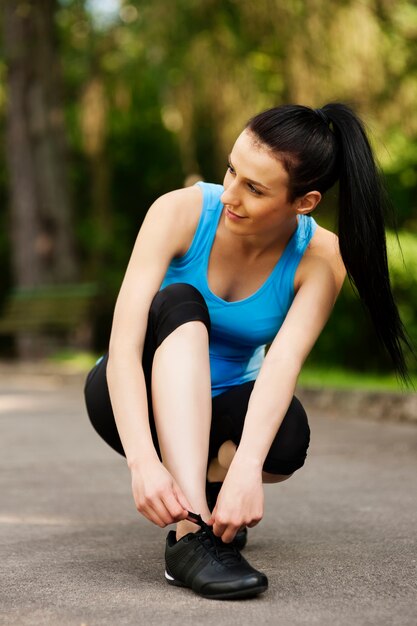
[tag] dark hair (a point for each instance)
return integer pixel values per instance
(319, 147)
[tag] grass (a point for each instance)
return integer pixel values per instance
(311, 376)
(74, 359)
(338, 378)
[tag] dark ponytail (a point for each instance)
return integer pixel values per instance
(318, 148)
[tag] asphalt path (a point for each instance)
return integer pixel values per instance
(338, 540)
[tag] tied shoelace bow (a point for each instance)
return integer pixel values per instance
(225, 552)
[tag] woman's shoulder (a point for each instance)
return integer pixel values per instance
(182, 206)
(323, 249)
(324, 242)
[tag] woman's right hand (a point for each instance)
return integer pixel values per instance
(157, 496)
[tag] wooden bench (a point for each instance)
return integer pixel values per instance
(52, 310)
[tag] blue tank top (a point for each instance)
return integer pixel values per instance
(240, 330)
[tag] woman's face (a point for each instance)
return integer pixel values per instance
(256, 188)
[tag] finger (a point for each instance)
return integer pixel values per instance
(175, 509)
(153, 517)
(146, 507)
(229, 534)
(162, 512)
(219, 529)
(181, 498)
(252, 524)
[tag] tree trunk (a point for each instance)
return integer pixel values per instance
(43, 250)
(42, 234)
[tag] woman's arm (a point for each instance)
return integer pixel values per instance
(161, 237)
(241, 499)
(275, 385)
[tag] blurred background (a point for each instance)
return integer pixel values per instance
(107, 104)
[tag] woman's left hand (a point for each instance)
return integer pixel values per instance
(240, 501)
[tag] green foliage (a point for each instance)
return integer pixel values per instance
(323, 377)
(74, 360)
(403, 269)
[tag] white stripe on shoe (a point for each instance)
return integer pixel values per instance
(168, 577)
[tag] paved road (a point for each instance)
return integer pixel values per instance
(338, 541)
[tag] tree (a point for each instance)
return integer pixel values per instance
(43, 250)
(42, 234)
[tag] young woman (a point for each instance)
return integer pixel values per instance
(186, 392)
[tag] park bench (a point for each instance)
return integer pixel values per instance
(52, 310)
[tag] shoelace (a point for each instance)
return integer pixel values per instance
(225, 552)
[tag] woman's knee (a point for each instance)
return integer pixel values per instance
(98, 404)
(288, 451)
(175, 305)
(176, 294)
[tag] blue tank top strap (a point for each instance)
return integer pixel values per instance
(211, 195)
(307, 228)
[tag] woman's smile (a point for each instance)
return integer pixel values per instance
(233, 216)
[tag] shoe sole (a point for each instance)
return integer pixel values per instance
(243, 593)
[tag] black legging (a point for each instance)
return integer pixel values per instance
(172, 306)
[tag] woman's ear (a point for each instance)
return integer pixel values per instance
(308, 203)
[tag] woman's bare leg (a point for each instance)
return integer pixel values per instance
(218, 467)
(274, 478)
(181, 399)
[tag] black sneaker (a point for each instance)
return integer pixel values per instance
(212, 491)
(211, 568)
